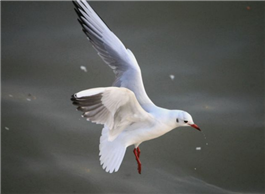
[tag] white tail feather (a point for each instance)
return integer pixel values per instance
(111, 152)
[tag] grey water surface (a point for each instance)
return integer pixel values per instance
(214, 51)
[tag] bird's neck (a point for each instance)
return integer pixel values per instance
(165, 117)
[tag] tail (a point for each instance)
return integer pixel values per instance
(111, 152)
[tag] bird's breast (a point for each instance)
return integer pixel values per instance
(137, 133)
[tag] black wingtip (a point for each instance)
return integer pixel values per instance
(77, 5)
(75, 103)
(80, 21)
(73, 97)
(77, 12)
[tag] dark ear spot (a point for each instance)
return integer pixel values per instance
(177, 120)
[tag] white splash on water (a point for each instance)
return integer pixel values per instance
(30, 97)
(198, 148)
(205, 139)
(83, 68)
(172, 77)
(6, 128)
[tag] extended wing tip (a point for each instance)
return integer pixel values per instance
(73, 97)
(76, 4)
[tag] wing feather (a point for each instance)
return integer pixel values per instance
(114, 107)
(113, 52)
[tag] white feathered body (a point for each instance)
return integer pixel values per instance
(125, 121)
(136, 133)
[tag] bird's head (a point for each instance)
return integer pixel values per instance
(184, 119)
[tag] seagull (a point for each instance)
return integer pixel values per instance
(127, 113)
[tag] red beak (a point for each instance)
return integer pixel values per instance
(196, 127)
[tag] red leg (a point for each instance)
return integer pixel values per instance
(138, 161)
(138, 152)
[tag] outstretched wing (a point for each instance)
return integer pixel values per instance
(113, 52)
(114, 107)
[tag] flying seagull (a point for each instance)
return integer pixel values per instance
(128, 115)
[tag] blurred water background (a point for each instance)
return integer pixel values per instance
(203, 57)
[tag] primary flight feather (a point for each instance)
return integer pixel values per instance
(128, 115)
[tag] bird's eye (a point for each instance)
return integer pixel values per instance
(185, 121)
(177, 120)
